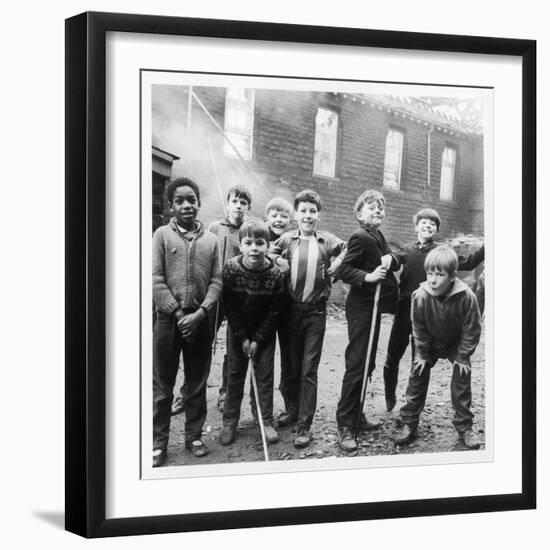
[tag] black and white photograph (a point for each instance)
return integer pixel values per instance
(216, 222)
(300, 301)
(318, 273)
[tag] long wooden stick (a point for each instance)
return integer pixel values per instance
(215, 343)
(369, 353)
(258, 409)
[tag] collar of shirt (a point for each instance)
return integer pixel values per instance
(422, 246)
(372, 230)
(296, 235)
(226, 222)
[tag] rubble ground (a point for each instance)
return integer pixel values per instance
(435, 432)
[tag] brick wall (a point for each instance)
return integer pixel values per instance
(283, 150)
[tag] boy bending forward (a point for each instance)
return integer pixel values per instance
(446, 324)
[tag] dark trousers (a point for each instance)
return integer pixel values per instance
(215, 319)
(283, 335)
(306, 334)
(359, 327)
(238, 367)
(400, 336)
(461, 398)
(167, 346)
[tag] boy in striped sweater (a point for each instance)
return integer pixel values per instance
(313, 256)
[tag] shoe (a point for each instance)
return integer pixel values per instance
(303, 438)
(221, 401)
(227, 435)
(346, 441)
(178, 405)
(197, 448)
(271, 435)
(470, 439)
(287, 418)
(159, 457)
(366, 425)
(406, 435)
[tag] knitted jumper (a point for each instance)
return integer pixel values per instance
(186, 268)
(252, 299)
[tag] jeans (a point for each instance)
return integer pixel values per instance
(359, 327)
(461, 398)
(238, 367)
(167, 346)
(306, 334)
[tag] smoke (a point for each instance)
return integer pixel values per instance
(201, 150)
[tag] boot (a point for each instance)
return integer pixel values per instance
(405, 435)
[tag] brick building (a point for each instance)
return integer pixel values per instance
(338, 144)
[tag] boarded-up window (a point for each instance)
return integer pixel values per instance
(239, 121)
(448, 169)
(393, 159)
(326, 136)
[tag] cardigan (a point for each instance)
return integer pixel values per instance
(186, 268)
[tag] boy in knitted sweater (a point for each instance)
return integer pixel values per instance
(252, 290)
(186, 286)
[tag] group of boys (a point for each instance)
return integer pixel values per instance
(269, 280)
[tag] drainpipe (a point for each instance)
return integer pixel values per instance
(189, 107)
(429, 161)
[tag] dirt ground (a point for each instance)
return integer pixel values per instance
(435, 432)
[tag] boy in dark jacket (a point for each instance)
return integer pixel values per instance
(368, 261)
(446, 324)
(411, 257)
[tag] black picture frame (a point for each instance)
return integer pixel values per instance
(86, 279)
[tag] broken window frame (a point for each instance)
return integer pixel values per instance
(239, 122)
